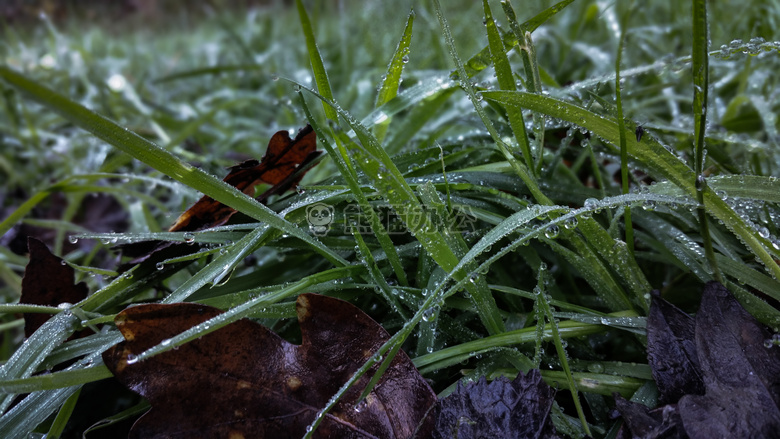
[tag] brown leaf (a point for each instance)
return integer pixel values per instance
(281, 159)
(245, 381)
(47, 281)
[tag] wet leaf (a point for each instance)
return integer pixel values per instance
(740, 374)
(671, 351)
(96, 212)
(278, 167)
(499, 409)
(284, 164)
(245, 381)
(644, 423)
(47, 281)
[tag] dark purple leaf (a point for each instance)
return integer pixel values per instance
(663, 422)
(741, 374)
(497, 410)
(671, 351)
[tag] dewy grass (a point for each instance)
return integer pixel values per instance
(521, 116)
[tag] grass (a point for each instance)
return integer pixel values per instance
(492, 161)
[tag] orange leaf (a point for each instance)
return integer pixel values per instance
(278, 166)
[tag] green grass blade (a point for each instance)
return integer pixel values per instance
(661, 163)
(323, 85)
(388, 89)
(506, 81)
(56, 380)
(629, 228)
(347, 171)
(546, 311)
(25, 416)
(35, 349)
(466, 85)
(482, 59)
(320, 74)
(389, 181)
(63, 416)
(700, 61)
(160, 159)
(376, 275)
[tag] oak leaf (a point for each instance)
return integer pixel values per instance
(245, 381)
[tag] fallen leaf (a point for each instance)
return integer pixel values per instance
(96, 213)
(47, 281)
(661, 423)
(671, 351)
(245, 381)
(279, 164)
(740, 374)
(284, 164)
(499, 409)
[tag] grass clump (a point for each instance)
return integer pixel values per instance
(524, 184)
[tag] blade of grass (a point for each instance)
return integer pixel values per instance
(466, 85)
(546, 311)
(58, 426)
(661, 163)
(700, 61)
(388, 89)
(518, 167)
(389, 181)
(160, 159)
(506, 81)
(35, 349)
(482, 59)
(56, 380)
(347, 171)
(320, 74)
(622, 132)
(342, 160)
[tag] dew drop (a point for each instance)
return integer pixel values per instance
(73, 239)
(132, 359)
(189, 238)
(429, 314)
(591, 204)
(596, 368)
(552, 232)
